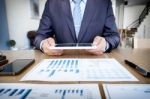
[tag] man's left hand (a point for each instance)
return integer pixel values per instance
(100, 44)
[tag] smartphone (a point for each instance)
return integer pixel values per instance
(16, 67)
(68, 46)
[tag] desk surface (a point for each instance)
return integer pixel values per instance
(140, 56)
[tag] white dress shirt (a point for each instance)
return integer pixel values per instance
(82, 6)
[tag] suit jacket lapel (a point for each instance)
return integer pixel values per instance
(88, 14)
(68, 17)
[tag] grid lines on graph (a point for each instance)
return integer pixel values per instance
(107, 70)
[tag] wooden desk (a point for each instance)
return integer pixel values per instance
(142, 56)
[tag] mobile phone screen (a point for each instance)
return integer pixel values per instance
(16, 66)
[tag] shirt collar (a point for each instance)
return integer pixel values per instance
(84, 1)
(81, 0)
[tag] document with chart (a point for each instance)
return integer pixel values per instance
(45, 91)
(127, 91)
(79, 70)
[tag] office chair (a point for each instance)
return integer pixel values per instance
(31, 36)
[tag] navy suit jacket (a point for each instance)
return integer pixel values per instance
(98, 20)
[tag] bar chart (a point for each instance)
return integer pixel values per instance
(55, 70)
(45, 91)
(76, 93)
(15, 93)
(61, 66)
(79, 70)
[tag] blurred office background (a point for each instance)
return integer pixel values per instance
(20, 18)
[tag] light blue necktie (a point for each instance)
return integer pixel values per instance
(77, 17)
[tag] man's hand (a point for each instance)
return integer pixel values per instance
(48, 43)
(100, 43)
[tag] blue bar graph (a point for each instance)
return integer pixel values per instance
(77, 71)
(42, 70)
(61, 66)
(59, 63)
(53, 66)
(76, 66)
(52, 73)
(1, 90)
(63, 96)
(48, 91)
(72, 64)
(65, 92)
(51, 63)
(26, 94)
(13, 92)
(21, 93)
(7, 91)
(72, 91)
(67, 65)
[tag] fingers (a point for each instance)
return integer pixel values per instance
(95, 52)
(97, 40)
(100, 43)
(51, 41)
(55, 52)
(47, 43)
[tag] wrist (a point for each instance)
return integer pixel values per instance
(107, 46)
(41, 45)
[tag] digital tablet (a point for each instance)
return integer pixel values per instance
(16, 66)
(68, 46)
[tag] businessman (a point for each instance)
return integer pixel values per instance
(77, 21)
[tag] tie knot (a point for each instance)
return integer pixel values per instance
(77, 1)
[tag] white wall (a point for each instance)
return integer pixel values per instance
(131, 13)
(19, 20)
(141, 43)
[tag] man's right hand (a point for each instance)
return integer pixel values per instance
(46, 44)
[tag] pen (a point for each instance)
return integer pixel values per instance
(138, 68)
